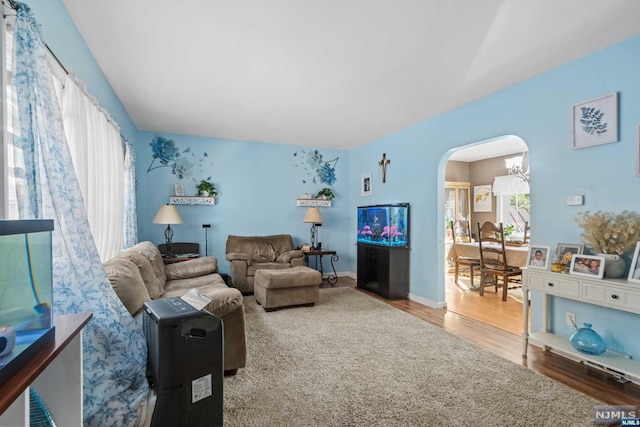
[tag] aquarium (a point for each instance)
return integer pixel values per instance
(384, 225)
(26, 292)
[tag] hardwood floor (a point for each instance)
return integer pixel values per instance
(484, 332)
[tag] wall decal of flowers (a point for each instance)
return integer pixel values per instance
(165, 154)
(315, 169)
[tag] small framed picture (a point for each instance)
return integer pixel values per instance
(638, 152)
(538, 257)
(634, 271)
(587, 265)
(482, 198)
(565, 251)
(366, 184)
(179, 189)
(595, 121)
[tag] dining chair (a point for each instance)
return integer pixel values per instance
(461, 234)
(493, 259)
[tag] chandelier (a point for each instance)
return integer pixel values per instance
(514, 167)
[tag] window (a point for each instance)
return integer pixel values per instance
(512, 203)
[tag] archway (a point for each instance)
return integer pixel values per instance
(498, 168)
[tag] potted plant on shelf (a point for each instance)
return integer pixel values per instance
(326, 193)
(206, 189)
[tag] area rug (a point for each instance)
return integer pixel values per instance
(352, 360)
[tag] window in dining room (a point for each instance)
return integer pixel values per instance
(512, 204)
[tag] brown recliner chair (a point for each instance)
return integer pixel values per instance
(248, 254)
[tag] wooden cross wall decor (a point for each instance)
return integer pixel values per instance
(384, 162)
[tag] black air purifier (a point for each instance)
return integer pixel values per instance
(185, 363)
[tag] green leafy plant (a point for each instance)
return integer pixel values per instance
(327, 192)
(208, 187)
(508, 230)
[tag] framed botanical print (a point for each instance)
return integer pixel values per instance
(595, 121)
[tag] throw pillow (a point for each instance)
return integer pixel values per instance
(127, 282)
(152, 283)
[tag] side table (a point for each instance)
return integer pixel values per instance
(318, 254)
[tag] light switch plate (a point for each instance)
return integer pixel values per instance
(575, 200)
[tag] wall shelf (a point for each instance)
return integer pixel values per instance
(313, 203)
(194, 200)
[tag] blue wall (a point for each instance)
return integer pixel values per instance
(257, 185)
(537, 110)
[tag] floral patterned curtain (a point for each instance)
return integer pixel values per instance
(114, 347)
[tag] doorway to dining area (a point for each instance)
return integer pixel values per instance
(488, 181)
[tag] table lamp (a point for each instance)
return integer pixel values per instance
(167, 214)
(313, 216)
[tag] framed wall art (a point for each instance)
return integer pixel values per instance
(365, 184)
(179, 189)
(638, 152)
(595, 121)
(482, 198)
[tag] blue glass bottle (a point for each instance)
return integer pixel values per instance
(588, 341)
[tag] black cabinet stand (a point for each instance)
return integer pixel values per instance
(384, 271)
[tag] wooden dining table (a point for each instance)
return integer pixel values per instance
(516, 255)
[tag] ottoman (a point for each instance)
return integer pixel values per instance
(291, 286)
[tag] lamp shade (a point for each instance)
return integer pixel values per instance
(167, 214)
(313, 215)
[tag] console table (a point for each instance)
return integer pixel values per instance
(55, 372)
(319, 253)
(616, 294)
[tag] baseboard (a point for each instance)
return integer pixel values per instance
(412, 297)
(428, 302)
(349, 274)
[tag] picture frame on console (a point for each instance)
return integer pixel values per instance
(587, 265)
(634, 270)
(567, 250)
(538, 257)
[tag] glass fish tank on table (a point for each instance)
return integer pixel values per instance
(26, 292)
(384, 225)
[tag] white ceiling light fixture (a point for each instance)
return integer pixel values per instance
(514, 167)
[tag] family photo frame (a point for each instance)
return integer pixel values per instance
(565, 251)
(634, 271)
(587, 265)
(595, 121)
(538, 257)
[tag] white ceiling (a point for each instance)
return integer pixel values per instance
(330, 73)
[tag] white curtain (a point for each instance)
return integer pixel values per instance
(98, 159)
(508, 185)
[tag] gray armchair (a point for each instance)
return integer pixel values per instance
(248, 254)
